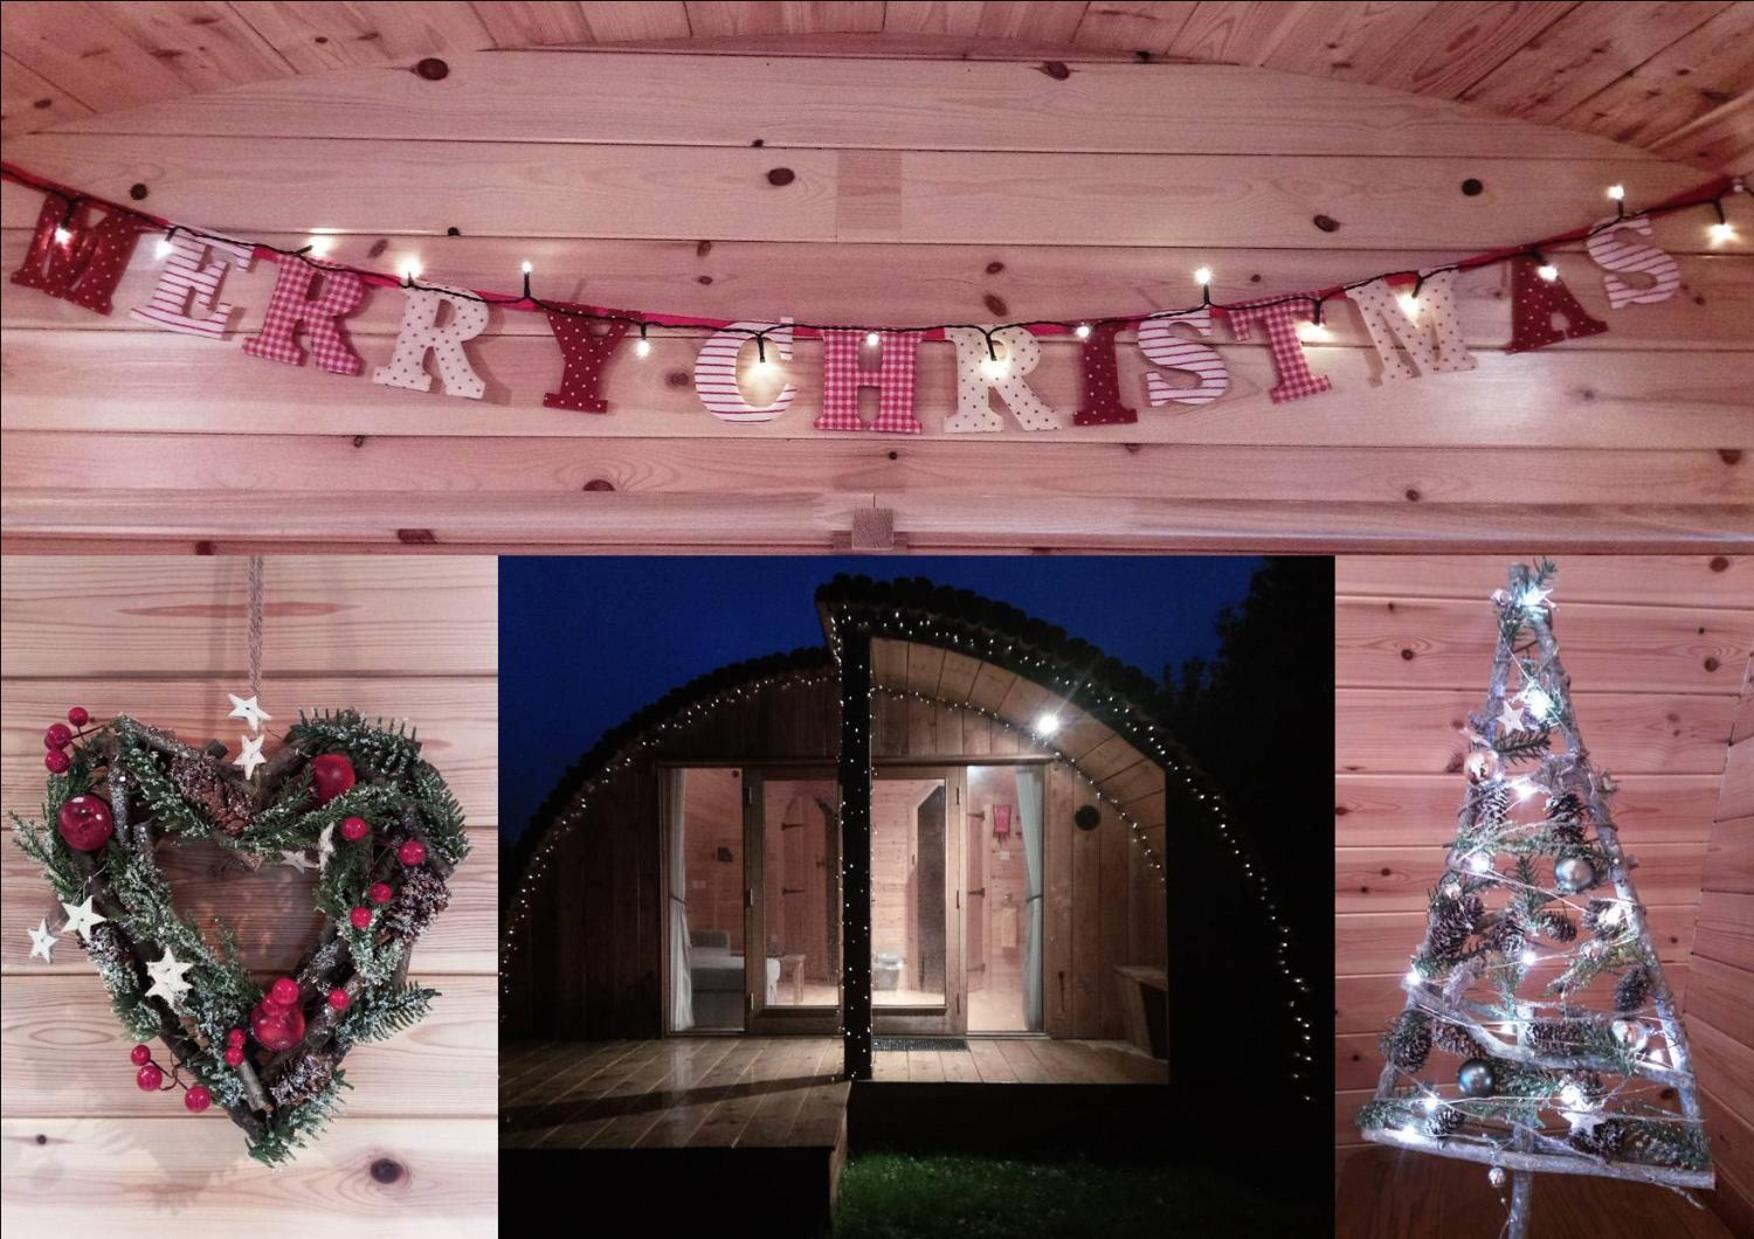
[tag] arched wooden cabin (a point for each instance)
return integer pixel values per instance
(885, 815)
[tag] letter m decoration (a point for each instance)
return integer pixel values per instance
(85, 268)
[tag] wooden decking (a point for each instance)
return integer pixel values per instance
(754, 1092)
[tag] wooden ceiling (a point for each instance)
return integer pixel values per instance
(1674, 78)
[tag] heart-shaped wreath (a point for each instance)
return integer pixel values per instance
(387, 832)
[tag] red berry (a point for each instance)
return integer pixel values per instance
(140, 1055)
(338, 999)
(380, 893)
(234, 1055)
(276, 1027)
(79, 716)
(284, 992)
(86, 822)
(361, 918)
(58, 736)
(57, 761)
(331, 774)
(198, 1098)
(353, 829)
(411, 852)
(235, 1037)
(149, 1077)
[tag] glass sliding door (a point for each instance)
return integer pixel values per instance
(916, 900)
(704, 923)
(794, 894)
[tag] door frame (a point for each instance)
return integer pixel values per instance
(950, 1019)
(758, 1017)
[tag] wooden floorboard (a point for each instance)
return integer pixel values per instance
(755, 1092)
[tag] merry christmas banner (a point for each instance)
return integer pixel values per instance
(82, 244)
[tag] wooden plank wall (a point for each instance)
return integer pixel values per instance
(85, 1152)
(918, 191)
(1720, 999)
(594, 952)
(1657, 649)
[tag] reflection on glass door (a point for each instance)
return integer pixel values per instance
(795, 895)
(1003, 889)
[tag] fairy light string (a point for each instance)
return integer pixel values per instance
(1709, 195)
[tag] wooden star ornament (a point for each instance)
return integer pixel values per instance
(42, 941)
(81, 919)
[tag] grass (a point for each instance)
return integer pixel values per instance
(902, 1196)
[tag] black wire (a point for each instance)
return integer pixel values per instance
(1206, 302)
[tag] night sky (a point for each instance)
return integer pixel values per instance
(585, 642)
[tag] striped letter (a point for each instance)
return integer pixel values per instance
(422, 334)
(186, 298)
(1430, 331)
(293, 306)
(715, 371)
(1162, 347)
(1611, 251)
(974, 405)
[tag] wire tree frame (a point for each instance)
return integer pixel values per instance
(1581, 1077)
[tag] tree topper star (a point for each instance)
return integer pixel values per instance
(42, 941)
(167, 978)
(81, 919)
(247, 709)
(251, 757)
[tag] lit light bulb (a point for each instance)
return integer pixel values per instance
(1082, 331)
(642, 347)
(1479, 862)
(1313, 331)
(994, 367)
(1047, 724)
(1538, 701)
(410, 269)
(1721, 232)
(871, 339)
(1413, 977)
(62, 236)
(1571, 1094)
(1202, 276)
(320, 246)
(1409, 305)
(1431, 1104)
(526, 267)
(1617, 192)
(164, 248)
(1547, 271)
(1530, 957)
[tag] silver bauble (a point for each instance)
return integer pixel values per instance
(1476, 1078)
(1573, 874)
(1495, 1176)
(1633, 1034)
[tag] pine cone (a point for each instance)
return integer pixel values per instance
(1632, 990)
(422, 897)
(227, 804)
(1407, 1043)
(1452, 920)
(1565, 818)
(1558, 1037)
(1592, 918)
(1492, 806)
(1590, 1084)
(1556, 925)
(1457, 1040)
(1604, 1139)
(303, 1078)
(1444, 1121)
(1506, 937)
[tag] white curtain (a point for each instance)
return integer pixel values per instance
(1029, 798)
(681, 979)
